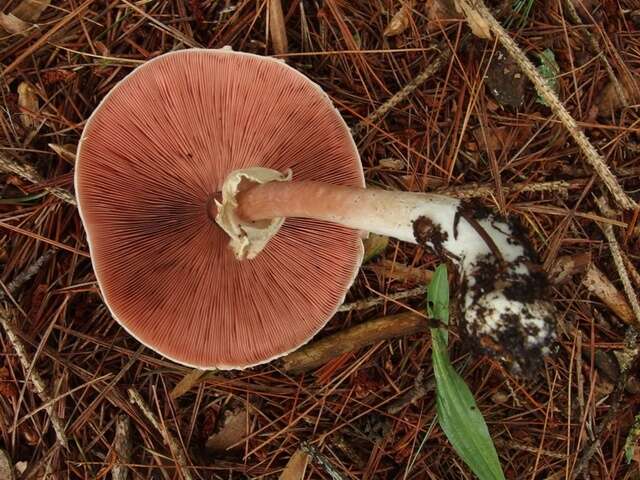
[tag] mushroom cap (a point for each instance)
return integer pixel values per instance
(152, 158)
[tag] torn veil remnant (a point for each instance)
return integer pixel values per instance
(188, 125)
(247, 239)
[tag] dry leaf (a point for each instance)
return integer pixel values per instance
(28, 102)
(611, 101)
(567, 266)
(365, 383)
(30, 10)
(6, 469)
(21, 467)
(187, 382)
(392, 163)
(493, 139)
(607, 364)
(12, 24)
(399, 22)
(277, 27)
(29, 435)
(500, 397)
(233, 428)
(437, 11)
(598, 284)
(296, 466)
(67, 151)
(102, 49)
(479, 26)
(505, 80)
(602, 388)
(7, 387)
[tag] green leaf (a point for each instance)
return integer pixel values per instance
(458, 414)
(549, 70)
(438, 296)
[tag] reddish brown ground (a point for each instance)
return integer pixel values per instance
(453, 132)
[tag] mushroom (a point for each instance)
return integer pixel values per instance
(224, 204)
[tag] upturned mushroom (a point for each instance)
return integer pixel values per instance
(224, 203)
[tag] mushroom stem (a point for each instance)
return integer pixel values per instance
(504, 303)
(444, 224)
(377, 211)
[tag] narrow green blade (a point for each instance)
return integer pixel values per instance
(458, 413)
(438, 295)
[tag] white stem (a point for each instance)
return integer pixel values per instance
(505, 310)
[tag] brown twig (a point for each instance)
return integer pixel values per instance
(28, 173)
(39, 384)
(488, 240)
(321, 351)
(27, 274)
(176, 450)
(196, 375)
(619, 262)
(6, 320)
(475, 191)
(122, 448)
